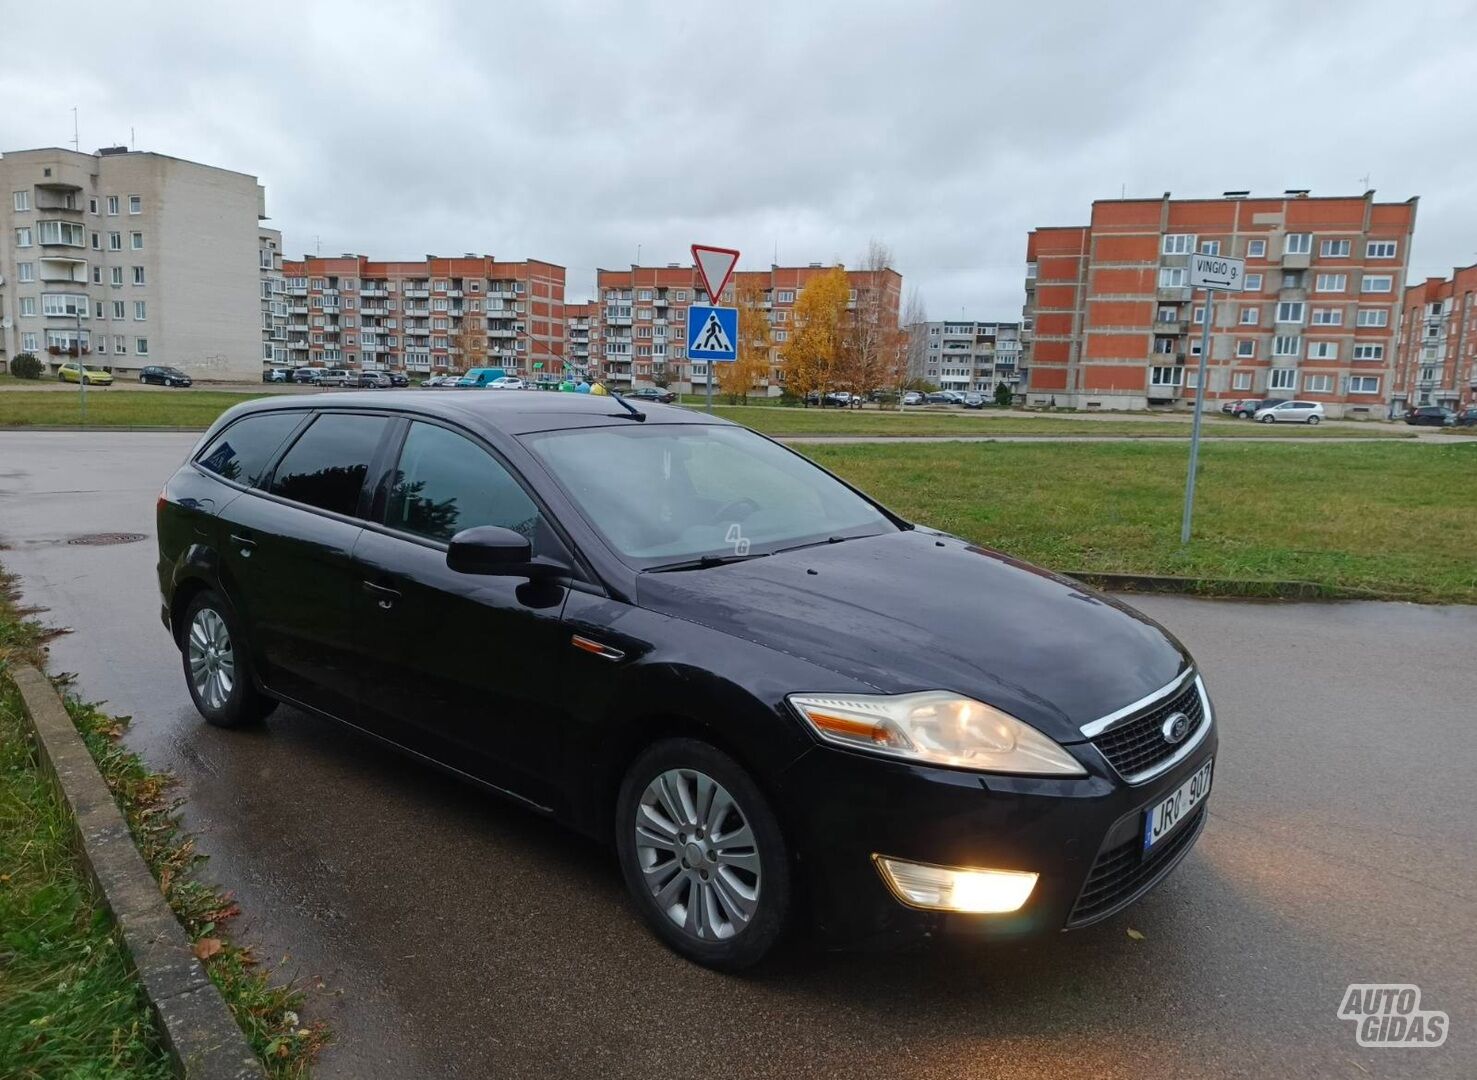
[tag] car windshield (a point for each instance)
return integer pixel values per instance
(668, 494)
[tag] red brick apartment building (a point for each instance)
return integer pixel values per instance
(581, 330)
(1437, 362)
(1112, 324)
(354, 312)
(642, 318)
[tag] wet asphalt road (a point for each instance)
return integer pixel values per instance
(460, 936)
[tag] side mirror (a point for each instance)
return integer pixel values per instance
(489, 549)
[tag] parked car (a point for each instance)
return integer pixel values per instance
(375, 380)
(72, 371)
(1231, 406)
(739, 721)
(831, 398)
(506, 382)
(1248, 407)
(438, 381)
(479, 378)
(276, 374)
(1430, 416)
(940, 397)
(308, 375)
(974, 400)
(399, 379)
(912, 397)
(1467, 417)
(163, 376)
(1291, 412)
(336, 377)
(653, 393)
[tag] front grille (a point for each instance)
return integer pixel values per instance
(1121, 874)
(1137, 745)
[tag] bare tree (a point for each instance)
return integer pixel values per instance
(873, 354)
(915, 316)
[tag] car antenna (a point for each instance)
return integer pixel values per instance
(636, 414)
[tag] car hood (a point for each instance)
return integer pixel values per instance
(920, 610)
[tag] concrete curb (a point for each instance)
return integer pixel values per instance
(1248, 588)
(199, 1031)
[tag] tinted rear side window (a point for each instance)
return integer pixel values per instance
(241, 452)
(326, 467)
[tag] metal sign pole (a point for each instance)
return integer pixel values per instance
(81, 367)
(1195, 423)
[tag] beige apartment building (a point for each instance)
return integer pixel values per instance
(130, 259)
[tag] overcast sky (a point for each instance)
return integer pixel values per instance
(578, 132)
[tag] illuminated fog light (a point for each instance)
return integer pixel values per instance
(947, 888)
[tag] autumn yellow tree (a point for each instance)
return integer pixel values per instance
(736, 379)
(469, 343)
(814, 349)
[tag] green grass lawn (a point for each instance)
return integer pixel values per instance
(1394, 518)
(116, 408)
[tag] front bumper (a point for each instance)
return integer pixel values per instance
(845, 807)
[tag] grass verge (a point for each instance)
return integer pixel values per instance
(116, 408)
(100, 1019)
(1390, 518)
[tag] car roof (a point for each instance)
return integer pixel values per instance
(514, 414)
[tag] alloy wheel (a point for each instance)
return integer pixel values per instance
(212, 658)
(697, 854)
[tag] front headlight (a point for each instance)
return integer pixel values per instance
(936, 727)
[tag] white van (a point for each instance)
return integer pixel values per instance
(336, 377)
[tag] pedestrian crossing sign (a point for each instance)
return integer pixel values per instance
(712, 333)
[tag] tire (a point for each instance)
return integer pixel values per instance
(1269, 419)
(221, 685)
(1312, 421)
(742, 891)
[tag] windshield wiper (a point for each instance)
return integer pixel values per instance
(702, 562)
(827, 540)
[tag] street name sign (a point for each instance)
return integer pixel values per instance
(712, 333)
(1217, 272)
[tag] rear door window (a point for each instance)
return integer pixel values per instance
(327, 465)
(242, 451)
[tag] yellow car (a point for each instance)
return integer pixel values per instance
(72, 371)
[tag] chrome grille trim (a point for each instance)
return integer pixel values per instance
(1102, 724)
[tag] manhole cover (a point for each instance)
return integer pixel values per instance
(100, 539)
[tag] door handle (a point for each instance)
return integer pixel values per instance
(384, 596)
(246, 543)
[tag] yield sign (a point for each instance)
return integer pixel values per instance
(716, 265)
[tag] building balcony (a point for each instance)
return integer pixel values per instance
(418, 294)
(373, 291)
(72, 271)
(1297, 262)
(373, 309)
(1171, 326)
(1177, 292)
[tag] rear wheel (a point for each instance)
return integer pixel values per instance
(217, 669)
(1312, 420)
(703, 854)
(1269, 419)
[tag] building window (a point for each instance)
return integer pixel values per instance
(120, 344)
(23, 237)
(1380, 249)
(1245, 348)
(1256, 249)
(140, 310)
(1166, 376)
(138, 275)
(136, 241)
(1172, 277)
(22, 201)
(1241, 380)
(119, 307)
(1364, 384)
(115, 241)
(141, 346)
(1253, 282)
(26, 271)
(1372, 316)
(1250, 316)
(1331, 283)
(92, 205)
(135, 204)
(67, 233)
(116, 273)
(1197, 316)
(1297, 243)
(112, 206)
(1369, 352)
(1290, 311)
(784, 296)
(1324, 316)
(27, 305)
(1378, 283)
(28, 341)
(1317, 384)
(1323, 350)
(1210, 247)
(1286, 345)
(1283, 379)
(1178, 244)
(1334, 249)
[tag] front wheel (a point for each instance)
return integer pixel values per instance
(703, 855)
(1312, 420)
(1269, 419)
(217, 669)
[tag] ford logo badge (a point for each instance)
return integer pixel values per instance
(1176, 727)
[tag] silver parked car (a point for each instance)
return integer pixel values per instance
(1291, 412)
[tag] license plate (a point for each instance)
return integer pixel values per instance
(1160, 821)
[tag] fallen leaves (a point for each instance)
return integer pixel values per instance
(1136, 935)
(207, 947)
